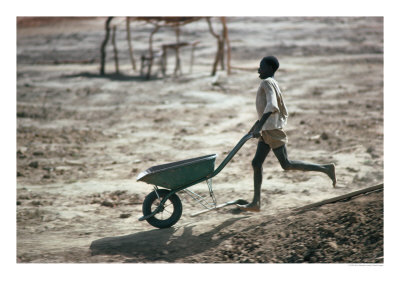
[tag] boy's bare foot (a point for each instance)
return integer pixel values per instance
(249, 207)
(331, 173)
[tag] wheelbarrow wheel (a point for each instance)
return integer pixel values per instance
(170, 212)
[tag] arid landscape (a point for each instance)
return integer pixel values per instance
(83, 138)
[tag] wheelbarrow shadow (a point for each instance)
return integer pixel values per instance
(162, 244)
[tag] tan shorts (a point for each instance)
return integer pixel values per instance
(274, 138)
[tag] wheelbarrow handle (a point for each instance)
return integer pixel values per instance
(231, 154)
(254, 126)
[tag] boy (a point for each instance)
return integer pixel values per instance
(272, 115)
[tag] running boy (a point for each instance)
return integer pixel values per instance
(272, 116)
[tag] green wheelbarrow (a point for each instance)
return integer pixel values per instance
(162, 208)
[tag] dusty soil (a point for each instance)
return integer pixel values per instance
(82, 139)
(349, 232)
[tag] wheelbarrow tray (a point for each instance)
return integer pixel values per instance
(180, 173)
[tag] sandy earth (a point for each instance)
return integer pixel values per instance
(82, 139)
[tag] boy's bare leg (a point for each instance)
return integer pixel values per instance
(286, 164)
(258, 160)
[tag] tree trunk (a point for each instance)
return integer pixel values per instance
(228, 45)
(128, 37)
(115, 50)
(177, 48)
(222, 46)
(103, 46)
(218, 54)
(151, 56)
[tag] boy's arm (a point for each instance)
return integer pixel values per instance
(260, 123)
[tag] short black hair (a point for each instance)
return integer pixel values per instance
(272, 61)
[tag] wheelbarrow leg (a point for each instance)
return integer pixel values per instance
(238, 201)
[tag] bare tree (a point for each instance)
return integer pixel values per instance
(128, 37)
(220, 48)
(228, 46)
(103, 46)
(115, 50)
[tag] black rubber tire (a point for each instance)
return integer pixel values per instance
(157, 220)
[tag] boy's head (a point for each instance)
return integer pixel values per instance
(268, 67)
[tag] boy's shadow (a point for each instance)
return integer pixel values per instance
(161, 244)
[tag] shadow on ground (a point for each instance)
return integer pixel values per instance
(111, 76)
(167, 244)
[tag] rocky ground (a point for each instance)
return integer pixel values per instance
(345, 232)
(349, 232)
